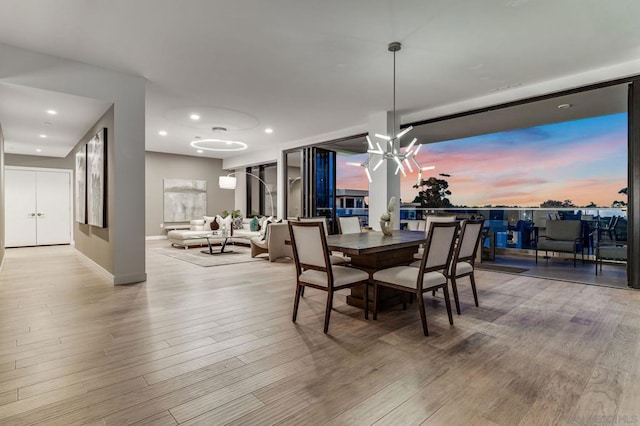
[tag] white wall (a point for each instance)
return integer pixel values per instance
(127, 93)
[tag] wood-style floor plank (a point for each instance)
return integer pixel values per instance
(216, 345)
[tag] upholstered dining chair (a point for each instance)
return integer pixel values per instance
(464, 256)
(428, 276)
(336, 259)
(314, 268)
(428, 221)
(349, 224)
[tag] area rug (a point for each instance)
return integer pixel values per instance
(500, 268)
(194, 255)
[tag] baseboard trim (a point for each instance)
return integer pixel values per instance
(155, 237)
(108, 275)
(129, 279)
(116, 280)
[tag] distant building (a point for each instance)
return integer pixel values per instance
(351, 198)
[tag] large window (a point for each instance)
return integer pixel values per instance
(258, 200)
(583, 162)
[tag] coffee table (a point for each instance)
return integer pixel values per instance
(216, 238)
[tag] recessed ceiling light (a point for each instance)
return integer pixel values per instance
(194, 117)
(47, 123)
(268, 130)
(200, 151)
(43, 136)
(52, 112)
(162, 133)
(564, 106)
(38, 150)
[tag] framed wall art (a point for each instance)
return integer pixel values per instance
(96, 179)
(184, 199)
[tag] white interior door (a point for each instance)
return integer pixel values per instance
(53, 215)
(20, 208)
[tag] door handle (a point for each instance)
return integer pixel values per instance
(40, 214)
(31, 214)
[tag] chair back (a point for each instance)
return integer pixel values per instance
(320, 219)
(309, 245)
(349, 224)
(468, 241)
(439, 247)
(565, 230)
(416, 225)
(437, 219)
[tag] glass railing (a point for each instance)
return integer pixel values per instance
(517, 227)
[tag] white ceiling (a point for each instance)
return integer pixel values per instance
(306, 68)
(24, 118)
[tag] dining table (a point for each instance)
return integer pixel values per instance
(373, 251)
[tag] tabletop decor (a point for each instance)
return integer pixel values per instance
(388, 219)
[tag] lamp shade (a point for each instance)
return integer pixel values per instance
(227, 182)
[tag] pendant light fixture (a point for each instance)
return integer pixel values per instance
(405, 161)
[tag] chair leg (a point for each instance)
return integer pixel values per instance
(447, 302)
(327, 314)
(375, 301)
(296, 301)
(454, 287)
(473, 287)
(366, 300)
(302, 292)
(423, 314)
(536, 254)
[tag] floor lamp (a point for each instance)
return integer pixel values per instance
(229, 182)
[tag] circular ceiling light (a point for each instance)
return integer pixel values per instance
(52, 112)
(215, 144)
(47, 123)
(200, 151)
(195, 117)
(218, 145)
(564, 106)
(162, 133)
(43, 136)
(268, 130)
(38, 150)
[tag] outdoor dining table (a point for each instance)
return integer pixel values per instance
(373, 251)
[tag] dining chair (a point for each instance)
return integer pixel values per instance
(464, 257)
(428, 221)
(428, 276)
(349, 225)
(314, 268)
(335, 259)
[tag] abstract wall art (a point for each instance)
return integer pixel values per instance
(81, 185)
(96, 179)
(184, 199)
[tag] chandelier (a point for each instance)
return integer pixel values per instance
(405, 161)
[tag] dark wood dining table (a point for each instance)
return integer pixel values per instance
(373, 251)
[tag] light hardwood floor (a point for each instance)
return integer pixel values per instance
(216, 345)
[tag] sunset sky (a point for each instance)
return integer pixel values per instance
(583, 161)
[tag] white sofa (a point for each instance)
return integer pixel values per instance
(189, 237)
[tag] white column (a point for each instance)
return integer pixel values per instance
(386, 183)
(281, 186)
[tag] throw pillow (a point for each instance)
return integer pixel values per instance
(265, 228)
(261, 221)
(237, 222)
(254, 225)
(226, 223)
(208, 220)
